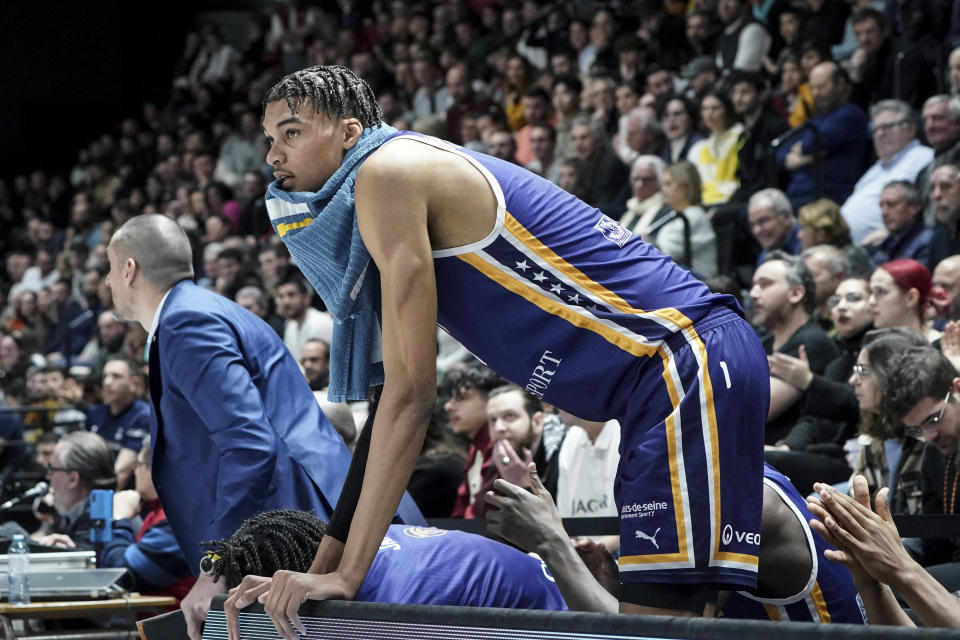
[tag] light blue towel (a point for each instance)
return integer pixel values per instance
(320, 230)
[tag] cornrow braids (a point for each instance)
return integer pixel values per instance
(335, 90)
(266, 543)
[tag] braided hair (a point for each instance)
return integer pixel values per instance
(266, 543)
(335, 90)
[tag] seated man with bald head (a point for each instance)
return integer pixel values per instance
(844, 145)
(946, 287)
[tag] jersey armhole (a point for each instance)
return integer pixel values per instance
(491, 180)
(814, 560)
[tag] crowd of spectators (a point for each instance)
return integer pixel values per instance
(674, 118)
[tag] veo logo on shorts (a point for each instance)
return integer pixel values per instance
(729, 533)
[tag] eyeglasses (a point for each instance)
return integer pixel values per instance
(852, 297)
(883, 128)
(762, 222)
(930, 423)
(50, 469)
(861, 370)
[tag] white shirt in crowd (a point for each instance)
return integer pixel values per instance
(587, 471)
(316, 324)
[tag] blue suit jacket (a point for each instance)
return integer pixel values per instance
(236, 429)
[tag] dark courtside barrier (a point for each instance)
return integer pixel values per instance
(336, 619)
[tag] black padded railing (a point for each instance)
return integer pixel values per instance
(335, 620)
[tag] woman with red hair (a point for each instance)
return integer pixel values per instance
(898, 291)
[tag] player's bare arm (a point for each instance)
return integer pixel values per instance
(392, 206)
(530, 520)
(403, 213)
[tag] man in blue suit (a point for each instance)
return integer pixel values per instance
(237, 430)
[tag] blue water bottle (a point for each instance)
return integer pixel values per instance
(18, 564)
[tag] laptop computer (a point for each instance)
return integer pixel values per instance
(56, 560)
(72, 583)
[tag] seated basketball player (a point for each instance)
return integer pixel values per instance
(414, 565)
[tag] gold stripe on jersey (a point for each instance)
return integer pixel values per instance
(818, 601)
(678, 486)
(772, 611)
(535, 295)
(708, 422)
(669, 315)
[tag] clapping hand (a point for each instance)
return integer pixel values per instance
(950, 342)
(794, 371)
(867, 542)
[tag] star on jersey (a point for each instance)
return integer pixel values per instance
(540, 277)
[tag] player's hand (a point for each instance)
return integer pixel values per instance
(529, 520)
(839, 554)
(511, 466)
(241, 596)
(289, 590)
(599, 561)
(197, 603)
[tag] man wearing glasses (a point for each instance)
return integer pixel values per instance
(900, 156)
(901, 208)
(923, 391)
(81, 462)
